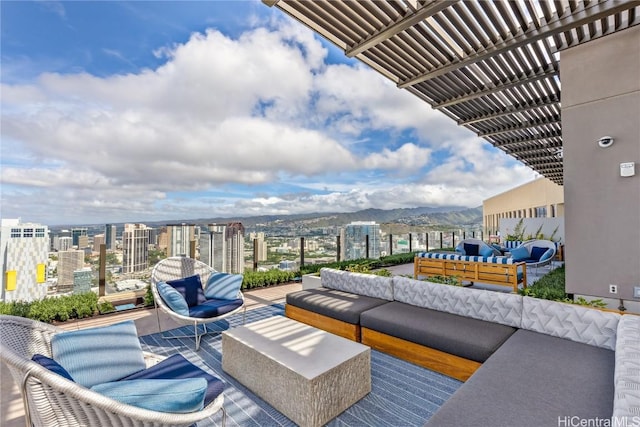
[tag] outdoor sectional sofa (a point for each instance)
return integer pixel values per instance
(525, 361)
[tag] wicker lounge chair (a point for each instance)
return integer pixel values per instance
(175, 268)
(477, 247)
(541, 253)
(52, 400)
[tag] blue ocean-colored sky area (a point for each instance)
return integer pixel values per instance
(138, 111)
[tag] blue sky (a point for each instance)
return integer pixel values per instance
(146, 111)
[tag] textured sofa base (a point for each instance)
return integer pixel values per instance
(326, 323)
(445, 363)
(534, 379)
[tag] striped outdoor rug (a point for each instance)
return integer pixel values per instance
(402, 394)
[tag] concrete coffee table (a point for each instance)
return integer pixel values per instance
(309, 375)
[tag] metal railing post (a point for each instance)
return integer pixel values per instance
(390, 244)
(255, 254)
(302, 252)
(102, 270)
(366, 245)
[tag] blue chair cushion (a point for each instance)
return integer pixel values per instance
(471, 249)
(545, 256)
(174, 395)
(537, 252)
(176, 367)
(486, 251)
(223, 286)
(99, 355)
(173, 298)
(520, 253)
(190, 288)
(214, 308)
(51, 365)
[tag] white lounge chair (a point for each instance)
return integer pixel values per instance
(197, 312)
(477, 248)
(52, 400)
(540, 252)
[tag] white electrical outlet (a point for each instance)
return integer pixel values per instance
(613, 289)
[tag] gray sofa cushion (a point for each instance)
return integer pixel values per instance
(339, 305)
(357, 283)
(491, 306)
(532, 380)
(626, 407)
(576, 323)
(469, 338)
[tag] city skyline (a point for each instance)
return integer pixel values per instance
(158, 111)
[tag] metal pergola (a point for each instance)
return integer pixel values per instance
(492, 66)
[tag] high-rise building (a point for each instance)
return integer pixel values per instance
(235, 247)
(82, 280)
(213, 247)
(179, 238)
(354, 240)
(76, 233)
(258, 240)
(222, 247)
(98, 240)
(110, 236)
(68, 262)
(24, 251)
(62, 243)
(135, 248)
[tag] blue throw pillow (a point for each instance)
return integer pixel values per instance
(486, 251)
(190, 288)
(99, 355)
(545, 256)
(51, 365)
(520, 253)
(175, 395)
(537, 252)
(223, 286)
(470, 249)
(173, 298)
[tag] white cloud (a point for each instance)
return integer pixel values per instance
(256, 110)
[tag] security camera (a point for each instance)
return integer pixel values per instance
(605, 142)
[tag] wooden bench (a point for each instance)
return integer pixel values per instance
(474, 271)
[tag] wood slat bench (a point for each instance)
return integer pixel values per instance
(500, 271)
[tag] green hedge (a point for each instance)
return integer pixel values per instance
(54, 308)
(551, 286)
(371, 264)
(258, 279)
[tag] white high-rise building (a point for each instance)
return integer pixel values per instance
(179, 239)
(135, 248)
(258, 238)
(64, 244)
(353, 239)
(68, 262)
(213, 247)
(222, 247)
(24, 251)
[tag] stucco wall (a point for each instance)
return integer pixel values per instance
(601, 96)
